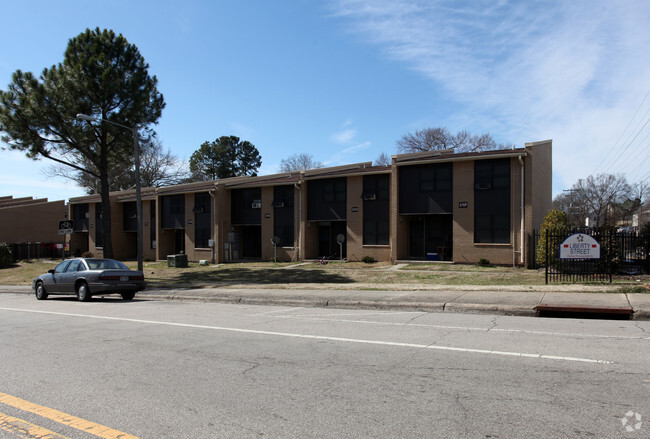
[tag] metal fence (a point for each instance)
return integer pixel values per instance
(35, 250)
(622, 253)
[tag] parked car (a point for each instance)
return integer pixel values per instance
(87, 277)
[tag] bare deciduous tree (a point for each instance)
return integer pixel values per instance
(299, 162)
(602, 195)
(383, 160)
(157, 168)
(436, 139)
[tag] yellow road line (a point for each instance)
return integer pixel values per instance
(64, 418)
(26, 429)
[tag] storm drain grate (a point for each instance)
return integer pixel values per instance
(584, 312)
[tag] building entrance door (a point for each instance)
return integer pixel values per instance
(179, 241)
(431, 237)
(328, 247)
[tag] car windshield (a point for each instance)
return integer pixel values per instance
(105, 264)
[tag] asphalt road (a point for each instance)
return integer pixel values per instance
(156, 369)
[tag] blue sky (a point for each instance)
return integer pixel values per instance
(344, 80)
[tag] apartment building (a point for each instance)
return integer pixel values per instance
(426, 206)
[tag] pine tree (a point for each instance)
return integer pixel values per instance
(101, 75)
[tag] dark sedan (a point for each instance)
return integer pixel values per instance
(87, 277)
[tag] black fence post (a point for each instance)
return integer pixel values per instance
(609, 255)
(546, 243)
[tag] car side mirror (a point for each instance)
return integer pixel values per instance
(51, 270)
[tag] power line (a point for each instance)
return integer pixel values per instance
(607, 156)
(630, 142)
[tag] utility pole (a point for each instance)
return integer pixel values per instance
(570, 191)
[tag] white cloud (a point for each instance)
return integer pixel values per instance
(344, 136)
(343, 156)
(571, 71)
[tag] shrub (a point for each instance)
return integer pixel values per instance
(6, 256)
(368, 260)
(557, 223)
(87, 255)
(483, 262)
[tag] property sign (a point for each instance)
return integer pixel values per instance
(580, 246)
(65, 227)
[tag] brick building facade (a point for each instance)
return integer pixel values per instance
(429, 206)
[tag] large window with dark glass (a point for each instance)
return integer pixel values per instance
(246, 206)
(99, 226)
(173, 211)
(80, 217)
(129, 217)
(201, 219)
(492, 201)
(283, 215)
(426, 189)
(327, 199)
(152, 224)
(376, 209)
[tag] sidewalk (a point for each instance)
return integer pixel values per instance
(521, 303)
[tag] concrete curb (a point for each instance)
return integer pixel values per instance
(512, 304)
(465, 308)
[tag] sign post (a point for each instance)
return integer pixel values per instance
(341, 239)
(65, 227)
(275, 241)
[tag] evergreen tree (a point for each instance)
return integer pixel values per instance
(101, 75)
(556, 222)
(225, 157)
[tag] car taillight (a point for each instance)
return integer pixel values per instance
(107, 277)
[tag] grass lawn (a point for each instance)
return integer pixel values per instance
(350, 275)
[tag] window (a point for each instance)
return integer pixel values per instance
(152, 224)
(334, 191)
(426, 189)
(326, 199)
(74, 266)
(435, 179)
(80, 216)
(129, 217)
(107, 264)
(173, 211)
(376, 209)
(242, 206)
(492, 201)
(61, 267)
(283, 215)
(202, 223)
(99, 226)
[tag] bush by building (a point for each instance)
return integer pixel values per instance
(555, 222)
(6, 256)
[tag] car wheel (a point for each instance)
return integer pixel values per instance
(129, 295)
(40, 291)
(83, 293)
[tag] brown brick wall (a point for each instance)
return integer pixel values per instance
(354, 232)
(267, 226)
(222, 222)
(464, 250)
(32, 222)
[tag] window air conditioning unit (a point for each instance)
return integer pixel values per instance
(277, 204)
(369, 196)
(257, 204)
(483, 186)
